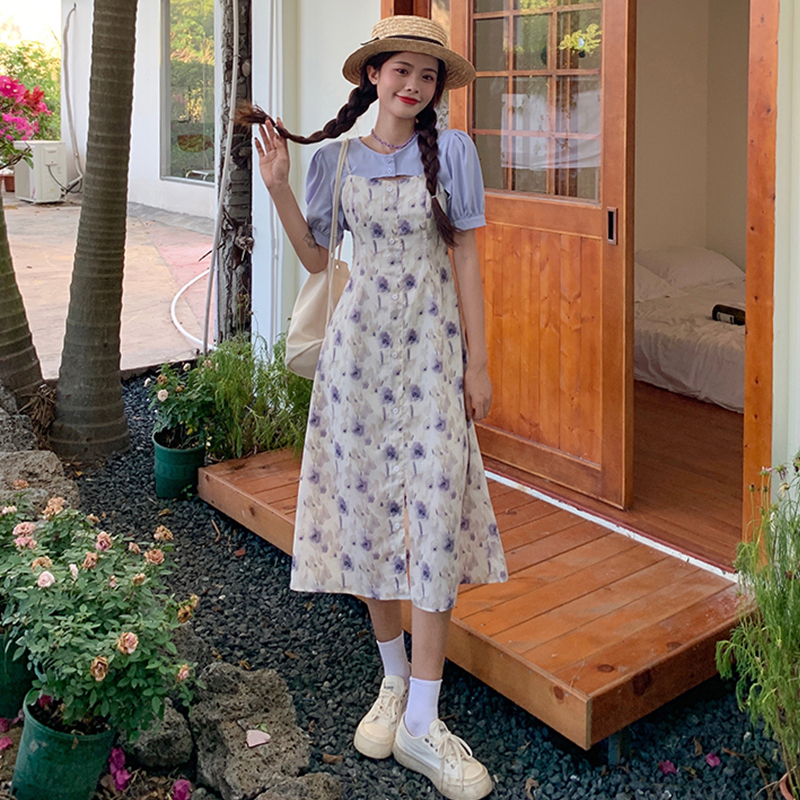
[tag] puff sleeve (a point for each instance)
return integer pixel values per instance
(319, 195)
(461, 178)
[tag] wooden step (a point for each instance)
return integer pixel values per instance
(593, 629)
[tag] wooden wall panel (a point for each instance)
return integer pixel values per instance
(549, 338)
(761, 171)
(529, 366)
(570, 394)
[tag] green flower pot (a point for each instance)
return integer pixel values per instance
(176, 470)
(58, 766)
(15, 678)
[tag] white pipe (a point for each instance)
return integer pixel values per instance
(172, 309)
(224, 179)
(68, 97)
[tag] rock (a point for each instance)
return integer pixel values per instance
(191, 648)
(168, 743)
(43, 471)
(201, 793)
(8, 402)
(16, 432)
(233, 701)
(315, 786)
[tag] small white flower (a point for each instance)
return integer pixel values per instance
(147, 381)
(187, 366)
(45, 579)
(8, 510)
(73, 568)
(162, 395)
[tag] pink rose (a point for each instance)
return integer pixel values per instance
(162, 395)
(183, 673)
(21, 542)
(45, 579)
(23, 529)
(8, 510)
(103, 541)
(73, 569)
(127, 643)
(154, 556)
(112, 582)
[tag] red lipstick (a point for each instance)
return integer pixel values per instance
(408, 100)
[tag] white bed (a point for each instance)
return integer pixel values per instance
(678, 346)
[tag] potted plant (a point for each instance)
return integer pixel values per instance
(183, 404)
(90, 611)
(764, 646)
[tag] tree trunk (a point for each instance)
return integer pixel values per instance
(234, 303)
(20, 371)
(90, 417)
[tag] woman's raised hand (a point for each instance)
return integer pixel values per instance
(273, 156)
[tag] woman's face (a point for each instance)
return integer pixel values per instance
(406, 83)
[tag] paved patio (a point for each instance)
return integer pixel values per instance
(163, 252)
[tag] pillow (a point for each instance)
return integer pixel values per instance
(689, 266)
(648, 286)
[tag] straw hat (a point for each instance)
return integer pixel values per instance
(406, 33)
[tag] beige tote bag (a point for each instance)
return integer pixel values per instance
(317, 298)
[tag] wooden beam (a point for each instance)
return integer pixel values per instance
(422, 8)
(761, 170)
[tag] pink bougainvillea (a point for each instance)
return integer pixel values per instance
(182, 790)
(20, 111)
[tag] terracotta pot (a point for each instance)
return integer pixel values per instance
(784, 784)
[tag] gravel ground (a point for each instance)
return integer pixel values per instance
(323, 647)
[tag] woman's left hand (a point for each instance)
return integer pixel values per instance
(477, 392)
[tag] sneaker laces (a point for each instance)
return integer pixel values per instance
(448, 745)
(387, 705)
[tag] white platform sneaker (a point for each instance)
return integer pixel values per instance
(375, 733)
(445, 759)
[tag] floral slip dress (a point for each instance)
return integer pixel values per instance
(387, 429)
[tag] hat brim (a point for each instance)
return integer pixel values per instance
(459, 71)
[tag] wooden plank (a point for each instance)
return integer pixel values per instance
(662, 600)
(761, 174)
(590, 366)
(567, 588)
(511, 327)
(472, 599)
(549, 338)
(529, 306)
(614, 664)
(564, 620)
(552, 545)
(571, 398)
(513, 519)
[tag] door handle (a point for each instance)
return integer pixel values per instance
(612, 225)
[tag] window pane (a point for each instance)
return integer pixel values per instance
(489, 152)
(577, 163)
(440, 12)
(579, 39)
(489, 38)
(578, 104)
(488, 5)
(190, 88)
(491, 111)
(530, 104)
(529, 164)
(532, 5)
(530, 41)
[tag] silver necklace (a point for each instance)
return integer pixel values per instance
(391, 146)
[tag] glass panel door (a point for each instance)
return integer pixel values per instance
(536, 102)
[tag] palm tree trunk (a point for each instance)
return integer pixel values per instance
(90, 417)
(20, 371)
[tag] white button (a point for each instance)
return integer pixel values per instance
(395, 411)
(395, 469)
(394, 297)
(396, 525)
(394, 355)
(391, 241)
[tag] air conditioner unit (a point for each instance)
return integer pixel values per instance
(42, 182)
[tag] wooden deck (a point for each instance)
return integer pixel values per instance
(592, 631)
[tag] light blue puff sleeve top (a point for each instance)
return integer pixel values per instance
(459, 176)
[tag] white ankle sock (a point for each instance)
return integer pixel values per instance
(395, 660)
(423, 705)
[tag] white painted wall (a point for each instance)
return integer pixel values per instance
(145, 184)
(316, 38)
(786, 347)
(726, 179)
(671, 123)
(691, 125)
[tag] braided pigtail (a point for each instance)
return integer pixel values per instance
(428, 142)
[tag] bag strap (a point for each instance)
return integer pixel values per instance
(332, 258)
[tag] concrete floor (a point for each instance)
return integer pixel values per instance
(163, 252)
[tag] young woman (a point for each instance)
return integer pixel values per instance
(398, 384)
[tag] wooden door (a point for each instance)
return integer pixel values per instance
(551, 113)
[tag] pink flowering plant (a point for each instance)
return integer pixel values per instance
(90, 611)
(21, 112)
(183, 403)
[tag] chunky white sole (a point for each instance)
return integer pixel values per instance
(474, 792)
(369, 748)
